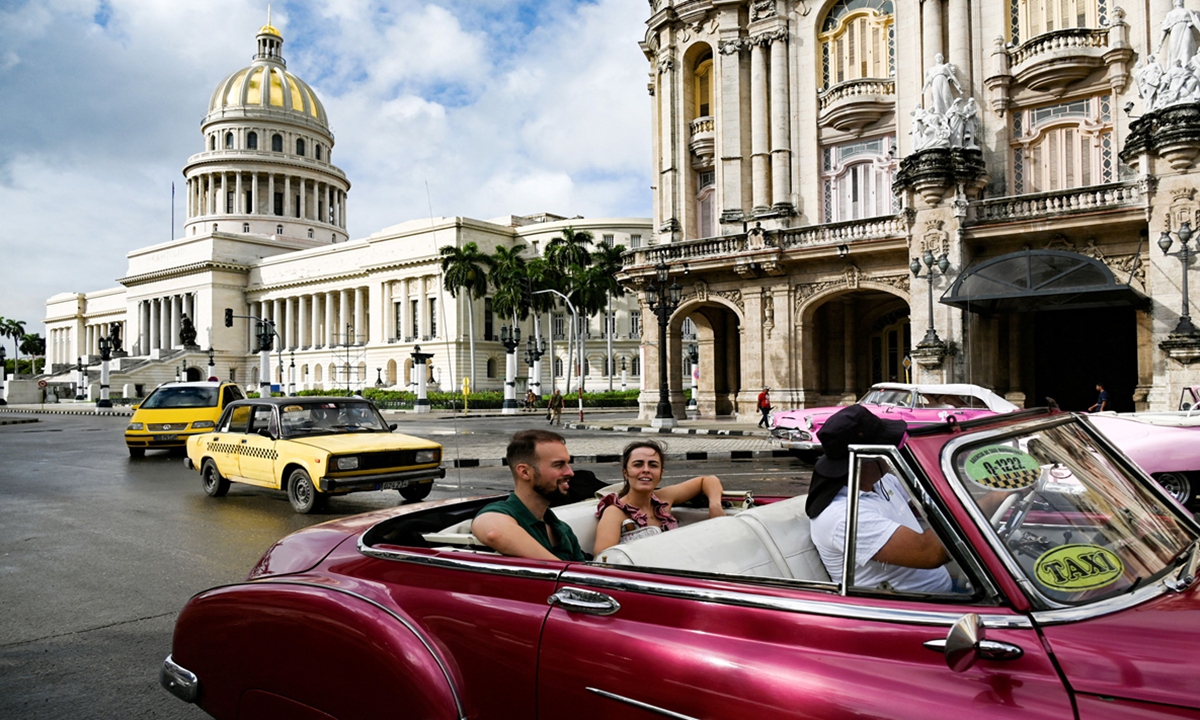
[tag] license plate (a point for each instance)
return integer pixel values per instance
(161, 438)
(395, 485)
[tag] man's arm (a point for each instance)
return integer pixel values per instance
(908, 548)
(501, 533)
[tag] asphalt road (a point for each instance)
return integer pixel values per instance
(99, 552)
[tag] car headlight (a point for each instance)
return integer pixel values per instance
(347, 463)
(203, 425)
(134, 426)
(427, 456)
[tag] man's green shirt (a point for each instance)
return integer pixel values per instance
(568, 545)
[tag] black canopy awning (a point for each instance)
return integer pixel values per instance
(1039, 280)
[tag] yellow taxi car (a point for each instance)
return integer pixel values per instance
(312, 448)
(174, 412)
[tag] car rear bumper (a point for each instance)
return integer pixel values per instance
(179, 681)
(373, 482)
(160, 440)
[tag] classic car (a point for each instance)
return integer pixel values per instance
(919, 404)
(1164, 444)
(313, 448)
(175, 411)
(1076, 598)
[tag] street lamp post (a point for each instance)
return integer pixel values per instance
(106, 346)
(624, 375)
(942, 264)
(184, 376)
(79, 381)
(663, 301)
(3, 377)
(534, 350)
(379, 377)
(575, 329)
(1184, 326)
(419, 360)
(292, 375)
(694, 370)
(510, 339)
(212, 365)
(266, 340)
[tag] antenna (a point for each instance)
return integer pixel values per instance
(268, 13)
(173, 211)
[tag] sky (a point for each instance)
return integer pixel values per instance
(478, 108)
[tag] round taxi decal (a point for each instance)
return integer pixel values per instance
(1002, 467)
(1072, 568)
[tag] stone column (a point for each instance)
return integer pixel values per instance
(330, 319)
(303, 198)
(155, 324)
(279, 318)
(189, 306)
(668, 171)
(360, 315)
(850, 326)
(402, 329)
(958, 23)
(759, 147)
(287, 196)
(253, 193)
(345, 318)
(238, 199)
(315, 319)
(144, 327)
(271, 197)
(931, 15)
(781, 145)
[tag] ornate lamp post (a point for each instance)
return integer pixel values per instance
(266, 341)
(379, 377)
(694, 361)
(510, 338)
(184, 375)
(106, 346)
(1184, 327)
(3, 378)
(931, 339)
(212, 365)
(624, 374)
(663, 301)
(292, 374)
(79, 382)
(419, 360)
(534, 350)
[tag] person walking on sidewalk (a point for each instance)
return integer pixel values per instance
(556, 407)
(764, 407)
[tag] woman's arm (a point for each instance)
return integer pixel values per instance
(608, 530)
(707, 485)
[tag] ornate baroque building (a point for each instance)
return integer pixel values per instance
(266, 236)
(810, 156)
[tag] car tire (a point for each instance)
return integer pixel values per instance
(214, 484)
(1177, 485)
(302, 493)
(137, 452)
(416, 493)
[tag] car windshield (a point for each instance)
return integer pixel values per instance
(948, 400)
(1078, 525)
(182, 397)
(887, 396)
(328, 417)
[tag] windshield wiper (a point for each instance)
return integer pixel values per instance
(1186, 575)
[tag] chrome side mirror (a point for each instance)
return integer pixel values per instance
(967, 644)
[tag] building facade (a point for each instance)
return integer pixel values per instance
(856, 191)
(266, 237)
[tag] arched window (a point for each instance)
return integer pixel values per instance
(635, 365)
(245, 227)
(252, 141)
(856, 179)
(318, 150)
(703, 87)
(858, 40)
(706, 202)
(214, 227)
(228, 141)
(300, 146)
(278, 229)
(310, 232)
(491, 367)
(276, 143)
(212, 142)
(1029, 19)
(1062, 146)
(558, 367)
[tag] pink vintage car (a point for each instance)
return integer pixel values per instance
(1075, 596)
(796, 430)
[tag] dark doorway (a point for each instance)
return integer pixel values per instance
(1075, 349)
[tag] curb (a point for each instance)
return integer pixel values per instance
(616, 458)
(18, 421)
(87, 412)
(667, 431)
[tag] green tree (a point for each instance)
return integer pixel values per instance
(570, 249)
(34, 347)
(509, 274)
(465, 269)
(606, 263)
(14, 329)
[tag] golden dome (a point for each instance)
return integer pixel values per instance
(267, 84)
(269, 30)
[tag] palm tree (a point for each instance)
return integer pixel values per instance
(15, 329)
(508, 274)
(34, 346)
(465, 269)
(543, 276)
(606, 263)
(570, 248)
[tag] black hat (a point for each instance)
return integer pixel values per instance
(853, 425)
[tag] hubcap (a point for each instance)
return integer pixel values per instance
(1177, 485)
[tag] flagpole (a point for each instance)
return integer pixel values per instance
(172, 209)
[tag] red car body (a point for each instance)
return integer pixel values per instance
(376, 616)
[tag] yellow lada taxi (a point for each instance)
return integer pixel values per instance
(312, 448)
(175, 411)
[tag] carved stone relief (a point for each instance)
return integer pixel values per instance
(760, 9)
(852, 278)
(735, 297)
(768, 312)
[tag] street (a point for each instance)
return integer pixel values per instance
(98, 552)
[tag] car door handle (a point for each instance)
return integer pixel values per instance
(987, 649)
(243, 441)
(587, 602)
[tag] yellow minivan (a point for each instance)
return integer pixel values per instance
(176, 411)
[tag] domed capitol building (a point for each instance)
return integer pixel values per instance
(266, 236)
(1001, 192)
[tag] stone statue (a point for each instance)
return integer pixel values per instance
(970, 125)
(938, 80)
(187, 331)
(1148, 75)
(1179, 32)
(114, 336)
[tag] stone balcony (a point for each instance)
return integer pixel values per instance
(702, 138)
(855, 104)
(1123, 198)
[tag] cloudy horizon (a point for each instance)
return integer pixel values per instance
(477, 108)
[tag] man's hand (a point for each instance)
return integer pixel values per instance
(501, 533)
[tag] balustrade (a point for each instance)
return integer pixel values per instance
(1022, 207)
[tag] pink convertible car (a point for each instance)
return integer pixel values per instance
(796, 430)
(1074, 596)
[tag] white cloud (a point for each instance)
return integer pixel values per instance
(497, 106)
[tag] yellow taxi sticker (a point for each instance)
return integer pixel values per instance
(1001, 467)
(1072, 568)
(293, 408)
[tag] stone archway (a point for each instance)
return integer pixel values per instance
(718, 342)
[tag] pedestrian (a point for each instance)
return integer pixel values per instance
(764, 407)
(530, 400)
(556, 407)
(1101, 401)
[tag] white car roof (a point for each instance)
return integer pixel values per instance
(994, 402)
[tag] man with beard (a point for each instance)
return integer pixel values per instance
(523, 525)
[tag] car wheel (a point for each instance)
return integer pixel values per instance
(302, 493)
(414, 493)
(137, 452)
(1177, 486)
(214, 484)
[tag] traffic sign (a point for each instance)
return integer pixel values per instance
(43, 384)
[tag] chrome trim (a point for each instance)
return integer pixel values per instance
(403, 621)
(583, 601)
(641, 705)
(457, 563)
(326, 483)
(179, 681)
(988, 649)
(833, 608)
(1053, 612)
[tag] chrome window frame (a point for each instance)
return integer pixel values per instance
(1047, 610)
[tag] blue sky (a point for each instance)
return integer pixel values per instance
(498, 106)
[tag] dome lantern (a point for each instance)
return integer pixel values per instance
(270, 42)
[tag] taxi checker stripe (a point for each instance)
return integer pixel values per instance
(1010, 481)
